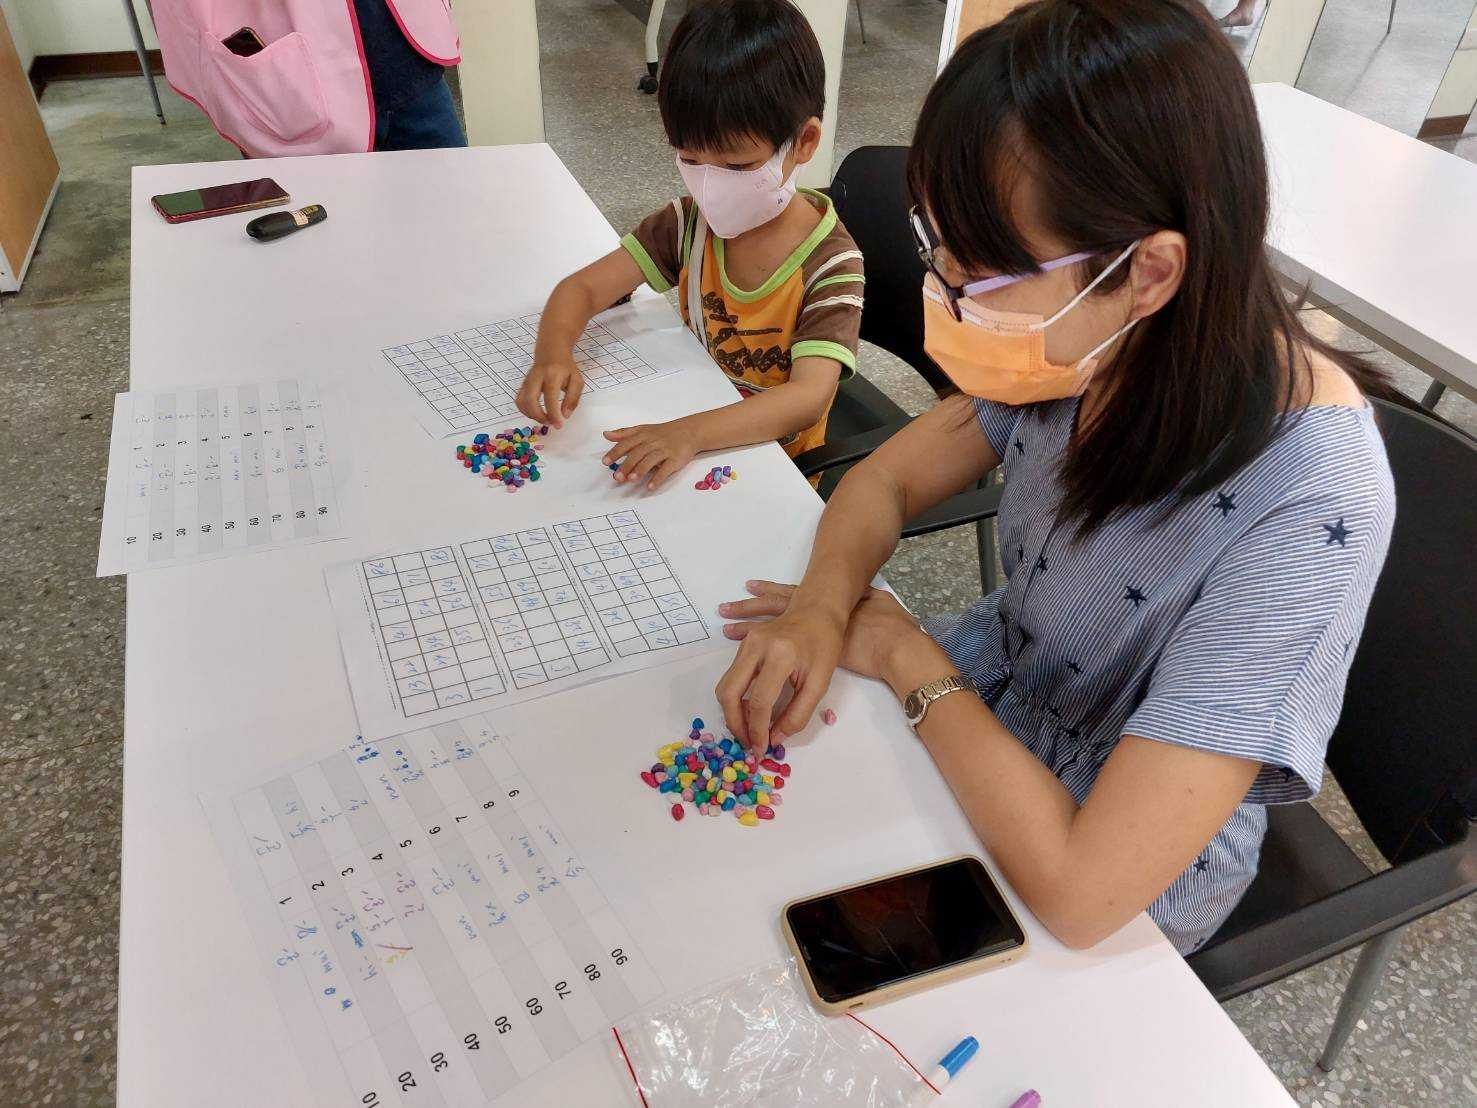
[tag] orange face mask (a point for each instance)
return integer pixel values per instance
(1001, 356)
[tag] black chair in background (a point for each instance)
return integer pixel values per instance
(1404, 752)
(871, 197)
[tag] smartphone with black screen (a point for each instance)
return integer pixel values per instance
(181, 207)
(882, 939)
(245, 43)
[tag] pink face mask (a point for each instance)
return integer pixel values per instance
(737, 200)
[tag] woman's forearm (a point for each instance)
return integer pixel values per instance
(858, 532)
(1019, 809)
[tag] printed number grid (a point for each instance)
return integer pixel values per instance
(537, 618)
(474, 375)
(434, 933)
(218, 470)
(434, 641)
(633, 591)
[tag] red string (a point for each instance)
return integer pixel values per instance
(632, 1070)
(899, 1053)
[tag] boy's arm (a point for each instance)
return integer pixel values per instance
(573, 303)
(655, 451)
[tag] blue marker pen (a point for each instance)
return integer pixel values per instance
(951, 1063)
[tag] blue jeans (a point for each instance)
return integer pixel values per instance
(426, 123)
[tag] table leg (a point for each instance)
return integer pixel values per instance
(143, 58)
(1433, 395)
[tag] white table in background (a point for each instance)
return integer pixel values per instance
(1379, 226)
(234, 668)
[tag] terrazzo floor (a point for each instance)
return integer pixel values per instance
(64, 352)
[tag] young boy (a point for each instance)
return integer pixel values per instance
(766, 275)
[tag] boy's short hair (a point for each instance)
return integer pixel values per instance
(739, 68)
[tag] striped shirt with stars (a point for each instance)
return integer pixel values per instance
(1226, 626)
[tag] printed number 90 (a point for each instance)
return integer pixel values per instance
(619, 956)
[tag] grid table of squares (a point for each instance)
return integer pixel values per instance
(438, 651)
(475, 374)
(630, 586)
(537, 618)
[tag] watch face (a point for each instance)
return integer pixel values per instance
(913, 707)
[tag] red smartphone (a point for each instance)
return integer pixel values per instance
(181, 207)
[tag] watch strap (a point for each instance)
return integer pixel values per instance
(915, 704)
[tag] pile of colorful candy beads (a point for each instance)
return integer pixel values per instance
(510, 457)
(717, 775)
(717, 477)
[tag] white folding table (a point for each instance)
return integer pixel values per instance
(234, 667)
(1378, 226)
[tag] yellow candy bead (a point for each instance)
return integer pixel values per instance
(724, 794)
(728, 774)
(686, 778)
(749, 819)
(763, 797)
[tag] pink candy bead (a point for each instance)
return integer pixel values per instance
(828, 717)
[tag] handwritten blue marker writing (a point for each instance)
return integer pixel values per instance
(952, 1062)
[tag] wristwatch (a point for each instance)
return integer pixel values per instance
(915, 704)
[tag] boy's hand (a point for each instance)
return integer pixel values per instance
(539, 395)
(654, 450)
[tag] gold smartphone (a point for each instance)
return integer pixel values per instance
(886, 938)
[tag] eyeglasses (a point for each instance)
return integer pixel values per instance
(927, 243)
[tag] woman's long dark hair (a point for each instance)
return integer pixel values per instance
(1133, 116)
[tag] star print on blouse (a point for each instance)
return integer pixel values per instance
(1041, 561)
(1074, 667)
(1337, 532)
(1134, 595)
(1202, 864)
(1020, 447)
(1226, 502)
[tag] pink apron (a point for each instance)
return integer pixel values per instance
(308, 92)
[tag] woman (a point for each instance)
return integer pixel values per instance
(1196, 505)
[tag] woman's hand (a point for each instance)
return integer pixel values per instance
(803, 647)
(654, 450)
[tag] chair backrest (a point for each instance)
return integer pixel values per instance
(870, 192)
(1405, 748)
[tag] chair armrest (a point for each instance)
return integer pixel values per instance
(961, 508)
(1339, 922)
(850, 449)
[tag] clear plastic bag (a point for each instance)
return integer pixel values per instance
(757, 1042)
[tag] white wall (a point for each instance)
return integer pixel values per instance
(18, 32)
(501, 92)
(828, 20)
(81, 26)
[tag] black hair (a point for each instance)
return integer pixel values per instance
(1131, 116)
(740, 68)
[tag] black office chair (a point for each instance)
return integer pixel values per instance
(871, 197)
(1404, 752)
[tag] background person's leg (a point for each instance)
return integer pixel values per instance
(428, 122)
